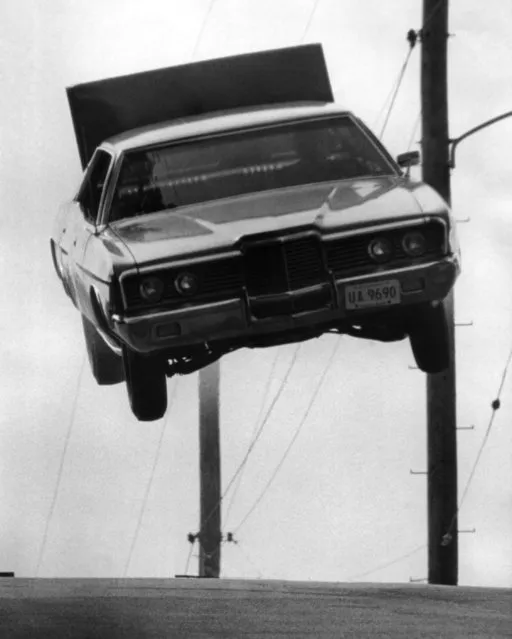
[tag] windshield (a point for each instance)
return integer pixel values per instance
(244, 162)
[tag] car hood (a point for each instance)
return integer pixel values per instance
(328, 207)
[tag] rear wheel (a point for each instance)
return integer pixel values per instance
(106, 366)
(430, 340)
(146, 382)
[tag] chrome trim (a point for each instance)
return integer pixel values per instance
(177, 313)
(110, 343)
(288, 294)
(109, 192)
(282, 237)
(106, 185)
(129, 271)
(376, 228)
(189, 261)
(397, 271)
(163, 315)
(377, 144)
(218, 305)
(90, 274)
(106, 195)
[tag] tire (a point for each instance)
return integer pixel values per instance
(106, 366)
(430, 339)
(146, 383)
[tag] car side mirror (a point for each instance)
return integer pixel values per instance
(408, 159)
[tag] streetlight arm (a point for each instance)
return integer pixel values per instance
(485, 124)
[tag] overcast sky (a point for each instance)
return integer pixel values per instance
(344, 503)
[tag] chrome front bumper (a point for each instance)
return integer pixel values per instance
(233, 318)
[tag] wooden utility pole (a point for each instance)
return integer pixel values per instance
(210, 535)
(441, 388)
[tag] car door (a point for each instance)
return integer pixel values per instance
(83, 221)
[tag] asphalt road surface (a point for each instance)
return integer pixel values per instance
(143, 608)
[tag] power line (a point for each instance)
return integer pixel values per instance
(310, 20)
(260, 430)
(414, 130)
(265, 420)
(386, 102)
(192, 542)
(266, 393)
(495, 405)
(388, 564)
(201, 30)
(295, 436)
(412, 37)
(156, 459)
(71, 422)
(249, 560)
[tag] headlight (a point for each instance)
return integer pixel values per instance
(414, 244)
(380, 249)
(186, 283)
(151, 289)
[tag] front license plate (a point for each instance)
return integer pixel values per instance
(372, 294)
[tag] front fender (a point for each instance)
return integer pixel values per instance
(101, 322)
(60, 272)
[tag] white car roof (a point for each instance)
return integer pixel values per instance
(217, 122)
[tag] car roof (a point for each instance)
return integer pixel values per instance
(219, 121)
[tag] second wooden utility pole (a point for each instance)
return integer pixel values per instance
(441, 388)
(210, 535)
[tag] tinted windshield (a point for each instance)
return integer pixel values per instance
(239, 163)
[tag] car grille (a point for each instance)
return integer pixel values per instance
(281, 266)
(274, 267)
(349, 255)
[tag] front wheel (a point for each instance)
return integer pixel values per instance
(106, 366)
(430, 338)
(146, 383)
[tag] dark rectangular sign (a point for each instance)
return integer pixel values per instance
(108, 107)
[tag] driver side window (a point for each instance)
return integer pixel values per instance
(91, 190)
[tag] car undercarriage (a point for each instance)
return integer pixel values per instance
(385, 326)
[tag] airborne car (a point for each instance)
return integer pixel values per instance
(229, 204)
